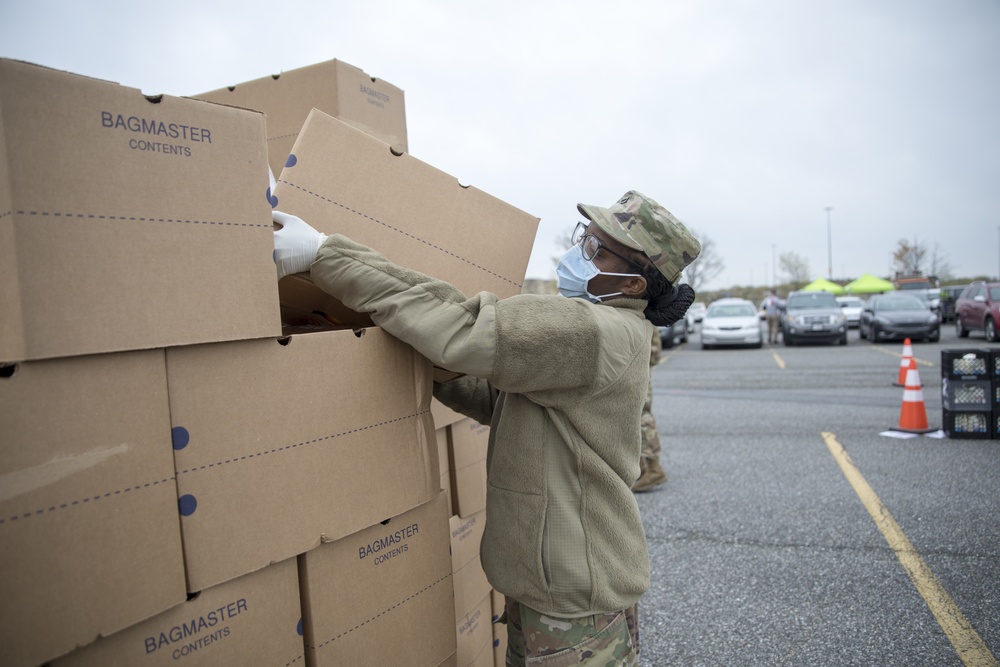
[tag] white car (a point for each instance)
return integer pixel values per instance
(731, 322)
(852, 307)
(694, 314)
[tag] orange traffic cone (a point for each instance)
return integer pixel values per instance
(904, 363)
(913, 415)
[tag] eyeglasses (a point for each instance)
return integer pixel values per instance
(591, 245)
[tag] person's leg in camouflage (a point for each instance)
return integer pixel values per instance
(651, 474)
(604, 639)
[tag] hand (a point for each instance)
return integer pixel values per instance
(295, 244)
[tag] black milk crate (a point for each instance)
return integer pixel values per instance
(995, 364)
(967, 364)
(968, 425)
(995, 425)
(967, 395)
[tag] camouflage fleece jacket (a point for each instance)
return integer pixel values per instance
(561, 382)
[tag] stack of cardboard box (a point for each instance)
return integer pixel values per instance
(467, 442)
(200, 463)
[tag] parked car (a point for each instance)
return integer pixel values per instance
(931, 297)
(852, 307)
(672, 334)
(694, 314)
(813, 316)
(950, 294)
(978, 309)
(731, 322)
(899, 315)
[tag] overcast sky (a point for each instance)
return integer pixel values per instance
(745, 118)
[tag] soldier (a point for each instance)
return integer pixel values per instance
(560, 381)
(651, 474)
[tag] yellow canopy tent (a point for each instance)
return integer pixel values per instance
(869, 284)
(823, 285)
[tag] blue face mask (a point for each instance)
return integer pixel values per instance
(574, 272)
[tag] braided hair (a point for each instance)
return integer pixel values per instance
(667, 302)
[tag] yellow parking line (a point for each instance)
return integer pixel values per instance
(899, 355)
(665, 356)
(961, 634)
(778, 360)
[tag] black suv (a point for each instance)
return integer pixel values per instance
(950, 294)
(813, 316)
(978, 309)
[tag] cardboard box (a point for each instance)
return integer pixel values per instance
(345, 181)
(468, 441)
(128, 222)
(474, 634)
(334, 87)
(441, 435)
(89, 536)
(470, 580)
(253, 620)
(283, 444)
(382, 596)
(443, 415)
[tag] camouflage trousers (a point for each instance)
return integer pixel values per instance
(604, 640)
(650, 436)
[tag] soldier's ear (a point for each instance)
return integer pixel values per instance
(634, 286)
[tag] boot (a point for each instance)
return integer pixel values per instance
(651, 477)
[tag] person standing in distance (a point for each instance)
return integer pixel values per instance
(771, 314)
(561, 382)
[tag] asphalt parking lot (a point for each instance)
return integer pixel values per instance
(790, 532)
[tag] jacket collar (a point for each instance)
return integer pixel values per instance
(629, 304)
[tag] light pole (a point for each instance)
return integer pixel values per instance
(829, 244)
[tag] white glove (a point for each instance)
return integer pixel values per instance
(295, 244)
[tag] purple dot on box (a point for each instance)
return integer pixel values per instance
(180, 437)
(187, 504)
(271, 199)
(291, 161)
(298, 627)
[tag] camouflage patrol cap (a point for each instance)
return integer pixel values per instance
(640, 223)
